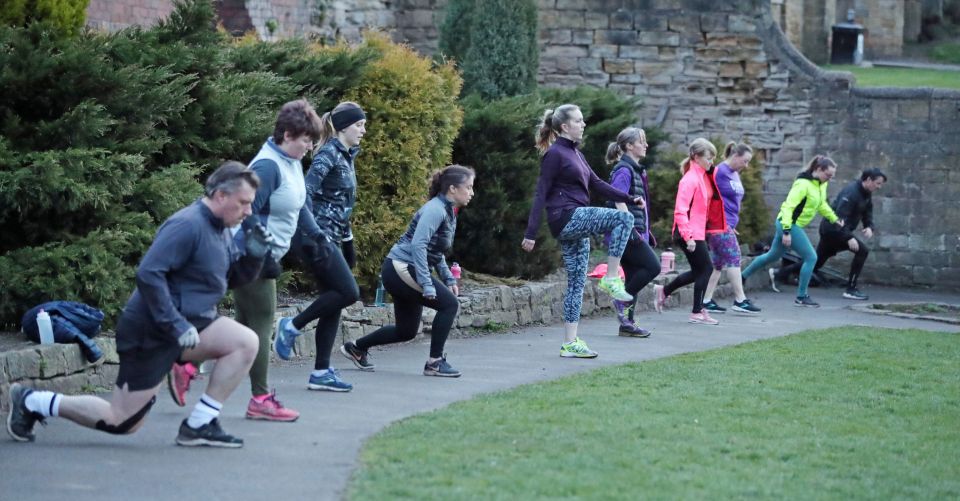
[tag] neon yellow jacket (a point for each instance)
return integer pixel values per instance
(807, 197)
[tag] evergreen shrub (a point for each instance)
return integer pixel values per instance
(497, 140)
(103, 136)
(65, 16)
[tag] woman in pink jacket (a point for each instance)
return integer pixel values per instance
(698, 210)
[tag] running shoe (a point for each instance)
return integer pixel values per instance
(210, 434)
(21, 420)
(712, 307)
(440, 368)
(576, 349)
(702, 318)
(286, 335)
(614, 287)
(854, 293)
(630, 329)
(270, 409)
(328, 381)
(745, 306)
(806, 302)
(178, 381)
(360, 358)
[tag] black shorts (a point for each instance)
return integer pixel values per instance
(144, 367)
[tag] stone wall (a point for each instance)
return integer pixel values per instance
(111, 15)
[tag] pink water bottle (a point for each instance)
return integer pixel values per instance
(455, 270)
(667, 261)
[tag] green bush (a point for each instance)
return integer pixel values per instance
(497, 139)
(103, 136)
(66, 16)
(494, 43)
(948, 52)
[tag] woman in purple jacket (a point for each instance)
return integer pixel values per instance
(563, 189)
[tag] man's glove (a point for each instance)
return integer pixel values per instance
(259, 241)
(189, 339)
(349, 254)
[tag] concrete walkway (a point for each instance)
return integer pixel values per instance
(314, 457)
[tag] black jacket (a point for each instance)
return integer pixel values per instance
(853, 204)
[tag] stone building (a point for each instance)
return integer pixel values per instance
(725, 69)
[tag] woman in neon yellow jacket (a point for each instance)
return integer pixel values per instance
(807, 197)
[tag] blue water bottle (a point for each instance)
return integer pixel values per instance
(381, 292)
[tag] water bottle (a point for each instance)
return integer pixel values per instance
(381, 293)
(667, 261)
(45, 327)
(455, 270)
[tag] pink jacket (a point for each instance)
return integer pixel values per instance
(699, 208)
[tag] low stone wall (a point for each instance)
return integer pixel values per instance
(62, 367)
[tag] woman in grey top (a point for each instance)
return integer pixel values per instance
(406, 274)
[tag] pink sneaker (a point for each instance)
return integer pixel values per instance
(178, 381)
(268, 408)
(659, 298)
(703, 318)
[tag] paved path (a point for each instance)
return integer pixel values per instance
(314, 458)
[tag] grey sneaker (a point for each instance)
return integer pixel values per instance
(440, 368)
(854, 293)
(210, 434)
(21, 420)
(744, 306)
(360, 358)
(630, 329)
(806, 302)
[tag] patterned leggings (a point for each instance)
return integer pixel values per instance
(575, 245)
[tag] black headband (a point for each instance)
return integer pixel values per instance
(345, 118)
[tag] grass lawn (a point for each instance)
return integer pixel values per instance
(900, 77)
(845, 413)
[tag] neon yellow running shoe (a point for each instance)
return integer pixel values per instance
(614, 287)
(576, 349)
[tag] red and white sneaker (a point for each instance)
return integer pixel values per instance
(702, 318)
(178, 381)
(268, 408)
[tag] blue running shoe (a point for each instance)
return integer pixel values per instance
(328, 381)
(286, 335)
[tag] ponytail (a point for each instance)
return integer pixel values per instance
(451, 175)
(613, 153)
(698, 147)
(738, 149)
(549, 127)
(819, 162)
(627, 136)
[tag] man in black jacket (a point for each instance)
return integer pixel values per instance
(853, 205)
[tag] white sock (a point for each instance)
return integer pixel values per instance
(206, 410)
(45, 403)
(321, 372)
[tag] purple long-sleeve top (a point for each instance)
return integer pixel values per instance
(731, 191)
(564, 185)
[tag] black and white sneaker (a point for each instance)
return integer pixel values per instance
(806, 302)
(772, 272)
(854, 293)
(713, 307)
(210, 434)
(20, 421)
(360, 358)
(440, 368)
(745, 306)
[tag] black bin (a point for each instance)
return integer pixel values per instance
(844, 45)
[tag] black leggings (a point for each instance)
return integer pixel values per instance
(338, 289)
(640, 265)
(408, 306)
(700, 269)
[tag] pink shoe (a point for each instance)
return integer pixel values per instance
(659, 298)
(703, 318)
(178, 381)
(268, 408)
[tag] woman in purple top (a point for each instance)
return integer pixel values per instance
(563, 190)
(724, 246)
(640, 263)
